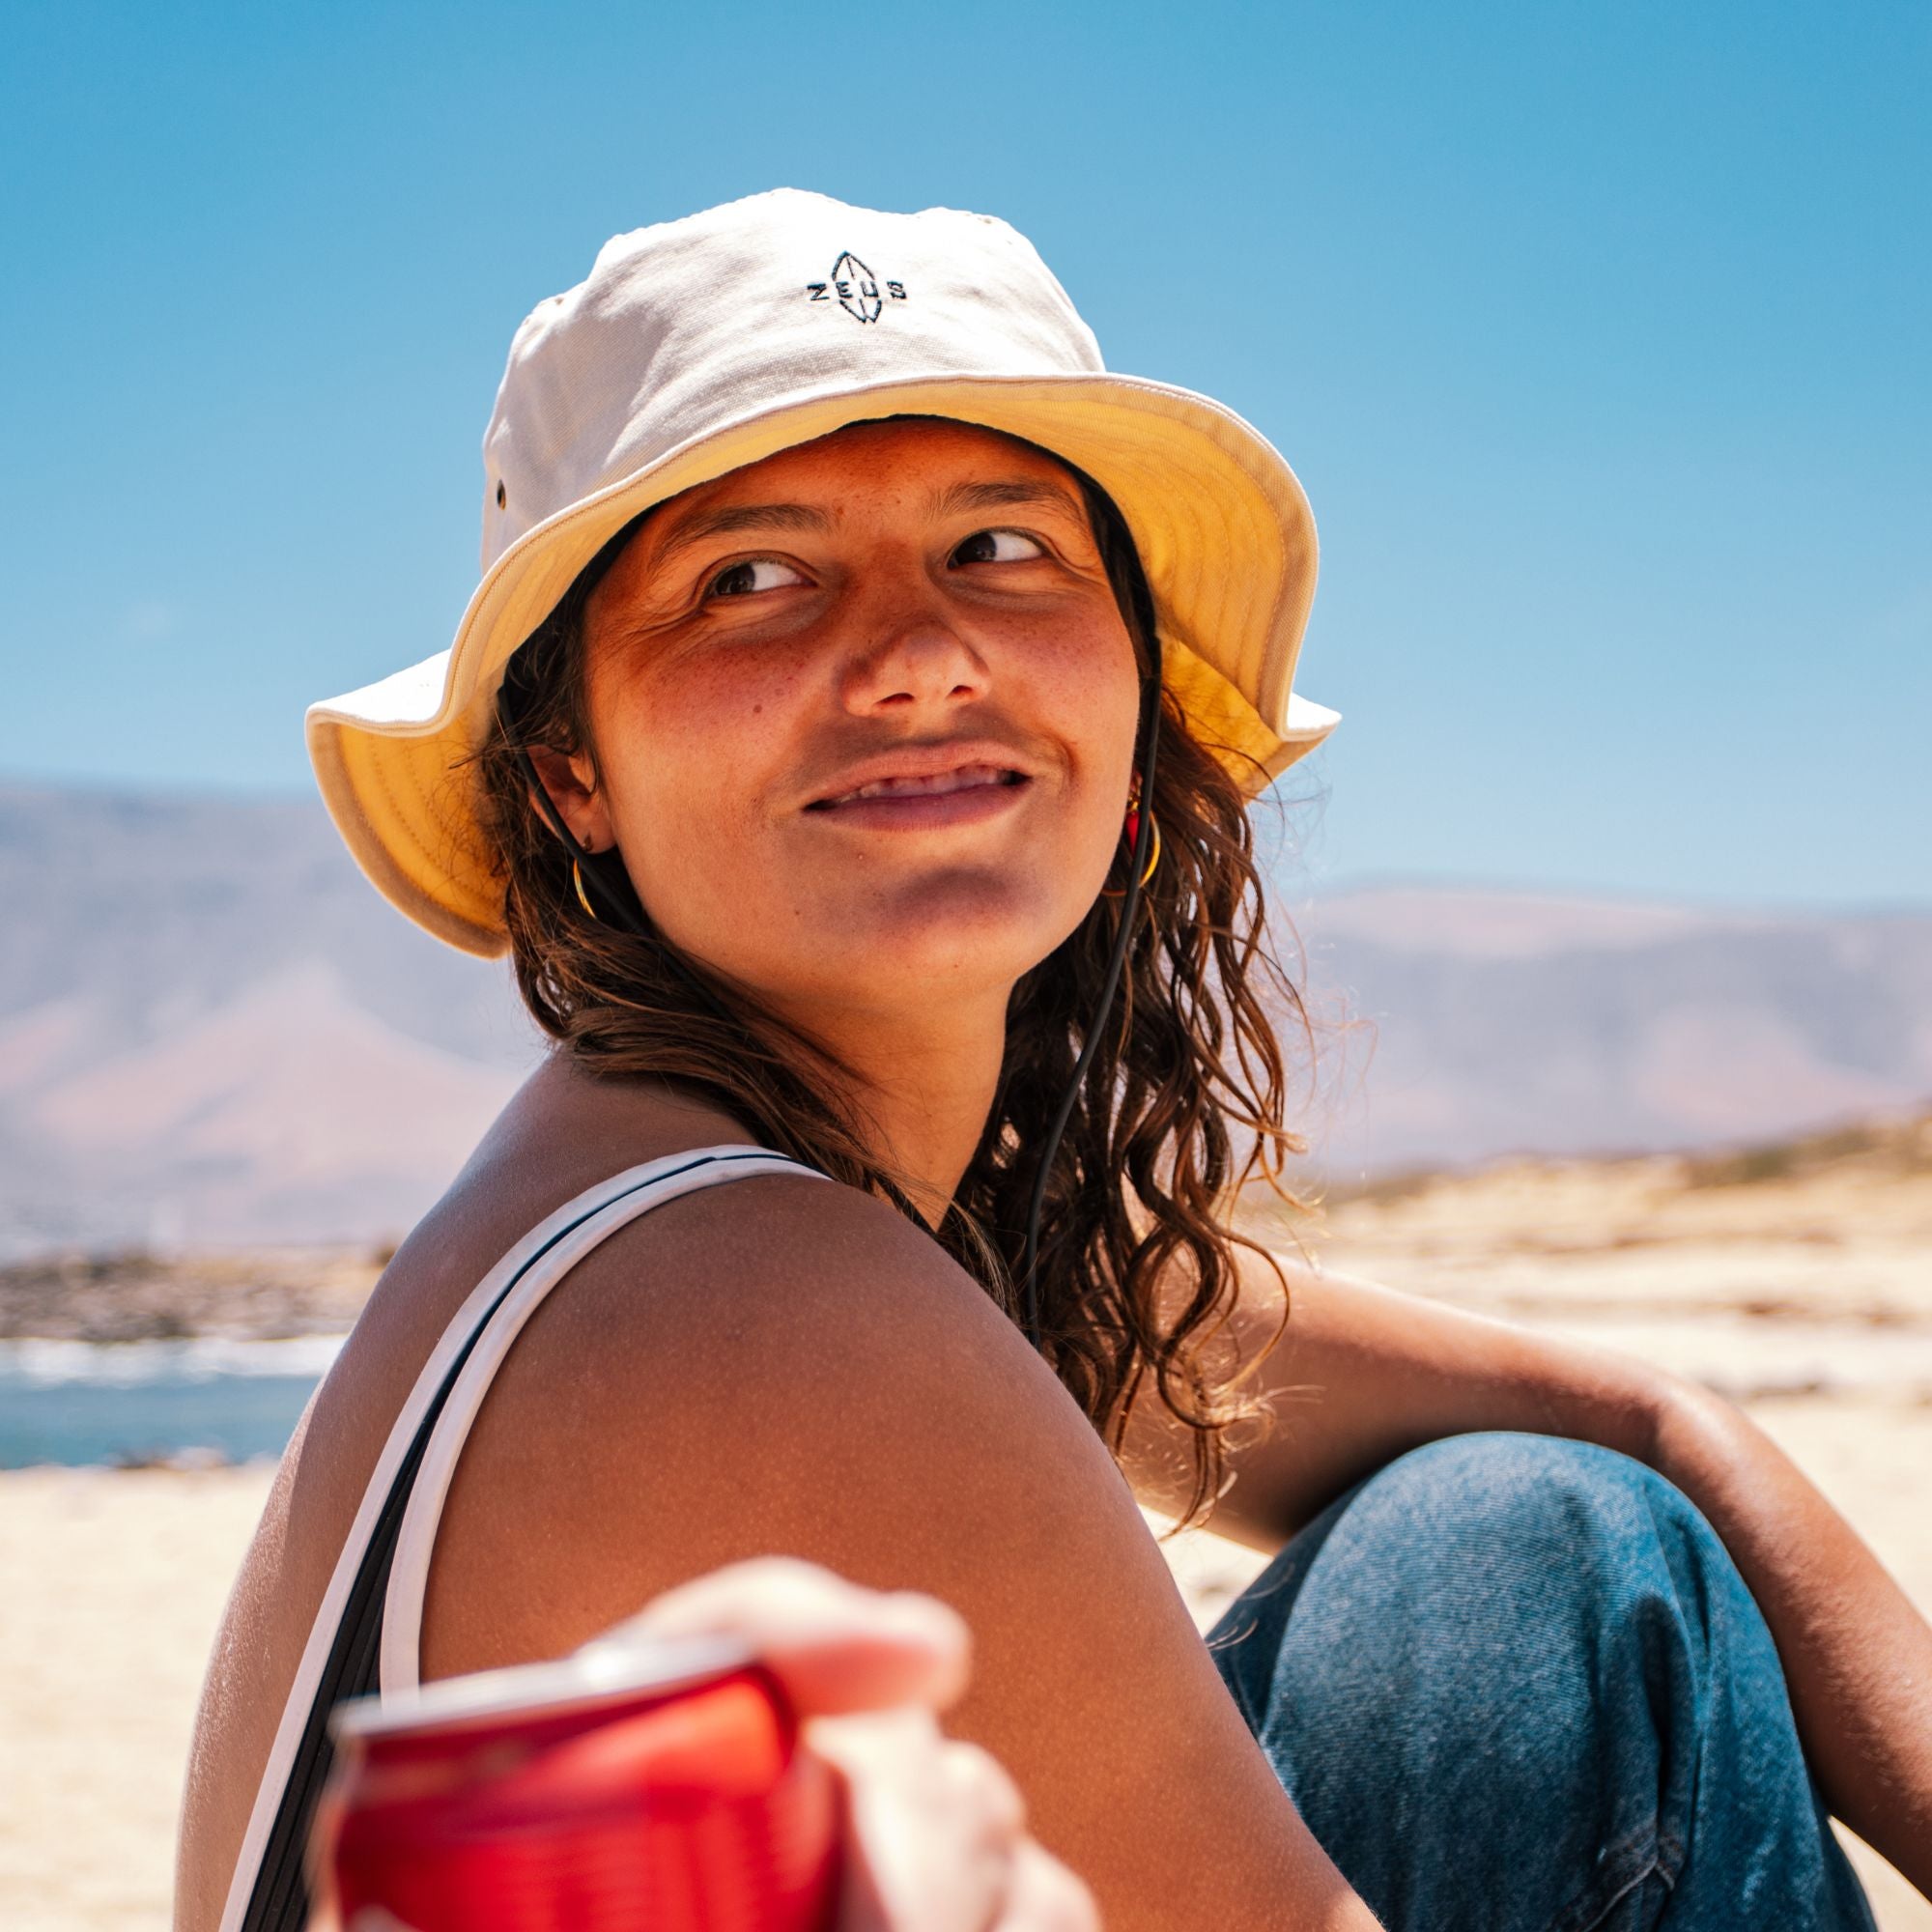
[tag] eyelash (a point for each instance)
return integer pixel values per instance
(711, 590)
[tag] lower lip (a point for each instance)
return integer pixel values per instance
(924, 811)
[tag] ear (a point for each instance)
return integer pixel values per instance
(572, 786)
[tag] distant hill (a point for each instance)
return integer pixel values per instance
(1489, 1022)
(212, 1030)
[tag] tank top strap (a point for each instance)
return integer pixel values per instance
(621, 1202)
(367, 1633)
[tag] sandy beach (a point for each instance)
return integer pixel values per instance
(1805, 1292)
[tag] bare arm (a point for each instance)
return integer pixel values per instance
(783, 1367)
(1366, 1374)
(1856, 1655)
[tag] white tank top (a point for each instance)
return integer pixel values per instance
(367, 1634)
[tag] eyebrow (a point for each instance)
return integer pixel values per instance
(731, 517)
(1018, 493)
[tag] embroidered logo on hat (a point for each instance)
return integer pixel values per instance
(856, 288)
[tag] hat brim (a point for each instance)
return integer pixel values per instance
(1221, 525)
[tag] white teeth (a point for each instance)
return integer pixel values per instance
(966, 779)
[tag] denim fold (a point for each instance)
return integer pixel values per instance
(1515, 1684)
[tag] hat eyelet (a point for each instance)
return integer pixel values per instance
(502, 495)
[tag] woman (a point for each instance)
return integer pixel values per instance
(850, 740)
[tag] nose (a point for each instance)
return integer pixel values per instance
(916, 662)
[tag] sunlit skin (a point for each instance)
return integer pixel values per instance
(789, 1365)
(912, 608)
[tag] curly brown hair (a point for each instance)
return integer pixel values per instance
(1182, 1105)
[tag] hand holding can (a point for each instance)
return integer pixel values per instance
(934, 1832)
(756, 1750)
(653, 1787)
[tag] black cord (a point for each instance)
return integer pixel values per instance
(1115, 963)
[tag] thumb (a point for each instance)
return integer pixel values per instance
(833, 1646)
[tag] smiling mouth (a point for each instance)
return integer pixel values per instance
(967, 778)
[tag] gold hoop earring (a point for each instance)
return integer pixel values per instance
(1132, 832)
(1154, 850)
(577, 880)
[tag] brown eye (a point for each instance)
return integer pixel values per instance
(748, 579)
(997, 547)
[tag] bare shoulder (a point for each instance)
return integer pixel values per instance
(780, 1283)
(779, 1364)
(783, 1366)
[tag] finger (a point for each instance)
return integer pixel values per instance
(833, 1646)
(929, 1826)
(982, 1792)
(1043, 1895)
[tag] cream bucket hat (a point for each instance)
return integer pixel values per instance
(698, 346)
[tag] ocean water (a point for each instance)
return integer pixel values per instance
(80, 1403)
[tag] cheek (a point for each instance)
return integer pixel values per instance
(1080, 685)
(688, 754)
(1091, 687)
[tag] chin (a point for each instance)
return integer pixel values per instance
(964, 936)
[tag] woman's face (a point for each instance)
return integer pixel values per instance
(863, 715)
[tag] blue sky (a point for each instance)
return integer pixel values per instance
(1598, 336)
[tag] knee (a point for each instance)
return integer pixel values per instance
(1517, 1540)
(1563, 1555)
(1510, 1601)
(1488, 1561)
(1540, 1498)
(1508, 1636)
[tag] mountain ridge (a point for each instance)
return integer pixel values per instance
(213, 1031)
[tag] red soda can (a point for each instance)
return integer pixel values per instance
(629, 1788)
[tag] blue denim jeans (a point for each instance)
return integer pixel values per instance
(1514, 1683)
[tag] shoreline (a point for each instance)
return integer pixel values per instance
(130, 1296)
